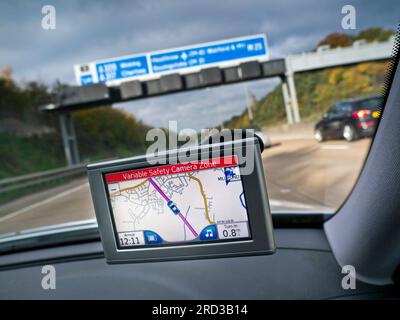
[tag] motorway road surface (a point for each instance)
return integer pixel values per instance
(302, 176)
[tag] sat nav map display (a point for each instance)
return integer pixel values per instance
(185, 203)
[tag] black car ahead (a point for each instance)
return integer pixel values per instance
(349, 119)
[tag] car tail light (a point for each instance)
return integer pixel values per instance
(361, 114)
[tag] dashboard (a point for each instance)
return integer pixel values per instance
(303, 267)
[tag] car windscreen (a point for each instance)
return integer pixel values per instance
(176, 70)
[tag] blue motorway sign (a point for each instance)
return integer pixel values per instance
(207, 54)
(153, 64)
(120, 69)
(86, 79)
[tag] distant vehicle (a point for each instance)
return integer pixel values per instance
(258, 132)
(350, 119)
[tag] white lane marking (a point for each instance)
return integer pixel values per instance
(43, 202)
(290, 204)
(334, 146)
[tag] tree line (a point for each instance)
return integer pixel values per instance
(31, 140)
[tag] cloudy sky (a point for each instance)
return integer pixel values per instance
(90, 30)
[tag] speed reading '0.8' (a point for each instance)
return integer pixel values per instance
(233, 230)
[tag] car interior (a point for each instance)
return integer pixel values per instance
(311, 249)
(200, 150)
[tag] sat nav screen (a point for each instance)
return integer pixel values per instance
(185, 203)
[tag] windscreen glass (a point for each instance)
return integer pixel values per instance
(187, 202)
(170, 73)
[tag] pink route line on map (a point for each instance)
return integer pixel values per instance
(168, 200)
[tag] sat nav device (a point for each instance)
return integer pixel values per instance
(152, 208)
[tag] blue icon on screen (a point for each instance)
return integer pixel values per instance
(209, 233)
(152, 237)
(229, 175)
(173, 207)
